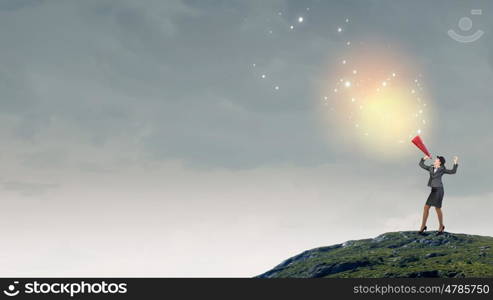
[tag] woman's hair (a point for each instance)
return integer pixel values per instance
(442, 160)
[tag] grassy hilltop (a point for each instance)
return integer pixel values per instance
(395, 254)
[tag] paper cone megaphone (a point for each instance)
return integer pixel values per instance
(419, 143)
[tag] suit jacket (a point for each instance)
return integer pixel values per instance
(436, 177)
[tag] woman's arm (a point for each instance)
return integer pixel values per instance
(454, 169)
(422, 163)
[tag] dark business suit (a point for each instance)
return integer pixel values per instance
(435, 182)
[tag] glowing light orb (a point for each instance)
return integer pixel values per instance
(300, 20)
(375, 108)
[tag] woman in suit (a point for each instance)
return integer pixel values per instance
(436, 195)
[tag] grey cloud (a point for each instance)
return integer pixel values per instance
(28, 188)
(182, 73)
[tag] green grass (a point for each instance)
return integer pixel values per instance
(395, 254)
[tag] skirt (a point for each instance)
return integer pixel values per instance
(436, 196)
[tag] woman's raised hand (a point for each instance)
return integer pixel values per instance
(426, 157)
(456, 159)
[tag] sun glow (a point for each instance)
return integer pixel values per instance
(377, 102)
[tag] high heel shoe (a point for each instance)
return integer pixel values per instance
(440, 231)
(422, 231)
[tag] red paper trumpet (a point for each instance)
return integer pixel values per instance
(419, 143)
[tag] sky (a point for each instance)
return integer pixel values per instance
(140, 138)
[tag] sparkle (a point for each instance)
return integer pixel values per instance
(263, 76)
(368, 100)
(270, 31)
(325, 98)
(300, 20)
(348, 43)
(339, 29)
(291, 27)
(276, 87)
(253, 65)
(347, 20)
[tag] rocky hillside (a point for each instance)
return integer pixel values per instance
(395, 254)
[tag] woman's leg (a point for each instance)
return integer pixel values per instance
(440, 217)
(426, 211)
